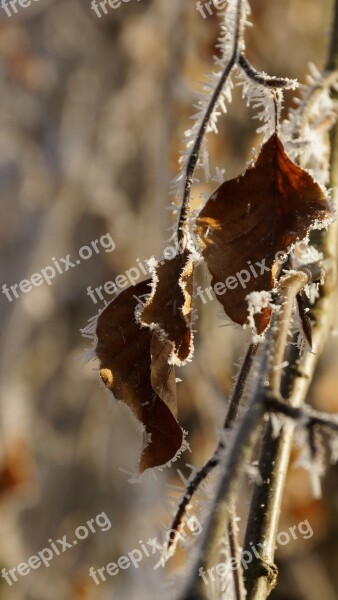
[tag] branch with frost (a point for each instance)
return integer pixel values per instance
(234, 465)
(214, 461)
(206, 118)
(289, 287)
(306, 416)
(275, 455)
(245, 437)
(306, 130)
(212, 102)
(295, 382)
(235, 552)
(264, 93)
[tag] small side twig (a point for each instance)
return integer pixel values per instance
(263, 79)
(307, 416)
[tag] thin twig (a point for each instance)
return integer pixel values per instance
(240, 592)
(327, 80)
(262, 527)
(235, 463)
(240, 385)
(307, 416)
(263, 79)
(288, 288)
(213, 462)
(193, 158)
(260, 78)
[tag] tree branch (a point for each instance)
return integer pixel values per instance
(259, 78)
(193, 158)
(240, 451)
(263, 524)
(275, 453)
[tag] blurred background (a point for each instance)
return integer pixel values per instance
(92, 117)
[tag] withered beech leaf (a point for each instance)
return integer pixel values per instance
(134, 366)
(168, 308)
(251, 218)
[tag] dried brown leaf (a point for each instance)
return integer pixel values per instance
(168, 308)
(134, 366)
(251, 218)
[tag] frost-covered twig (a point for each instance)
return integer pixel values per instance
(263, 519)
(230, 419)
(232, 46)
(289, 286)
(262, 527)
(305, 415)
(275, 451)
(324, 82)
(306, 131)
(233, 467)
(194, 155)
(263, 79)
(240, 592)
